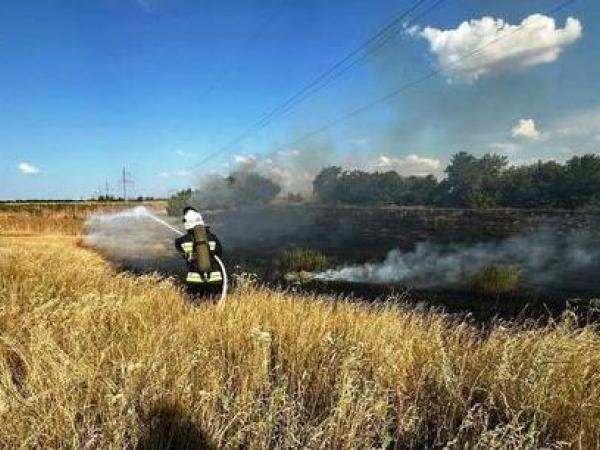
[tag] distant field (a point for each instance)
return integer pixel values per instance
(74, 207)
(57, 217)
(90, 358)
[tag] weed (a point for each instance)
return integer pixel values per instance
(496, 279)
(302, 260)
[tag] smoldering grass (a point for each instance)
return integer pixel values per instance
(301, 259)
(496, 279)
(547, 259)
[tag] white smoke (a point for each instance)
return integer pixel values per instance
(136, 238)
(548, 258)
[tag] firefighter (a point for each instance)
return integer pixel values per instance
(198, 246)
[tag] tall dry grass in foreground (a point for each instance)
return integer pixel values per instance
(95, 359)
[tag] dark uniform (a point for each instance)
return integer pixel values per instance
(185, 245)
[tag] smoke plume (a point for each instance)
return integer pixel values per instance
(548, 258)
(293, 168)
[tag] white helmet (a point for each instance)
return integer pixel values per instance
(192, 219)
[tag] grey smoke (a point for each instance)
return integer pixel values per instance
(549, 259)
(293, 168)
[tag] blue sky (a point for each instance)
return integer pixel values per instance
(90, 86)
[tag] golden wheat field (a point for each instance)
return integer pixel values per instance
(92, 358)
(56, 218)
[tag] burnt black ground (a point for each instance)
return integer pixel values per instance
(524, 305)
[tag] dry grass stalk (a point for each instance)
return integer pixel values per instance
(94, 359)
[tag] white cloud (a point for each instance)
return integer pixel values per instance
(410, 165)
(503, 47)
(245, 162)
(525, 128)
(582, 123)
(183, 154)
(28, 169)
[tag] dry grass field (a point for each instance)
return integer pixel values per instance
(56, 218)
(92, 358)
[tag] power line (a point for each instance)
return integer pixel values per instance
(372, 44)
(415, 82)
(126, 180)
(374, 48)
(332, 69)
(406, 86)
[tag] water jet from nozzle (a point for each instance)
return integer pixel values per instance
(133, 239)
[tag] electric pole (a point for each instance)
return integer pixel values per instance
(126, 179)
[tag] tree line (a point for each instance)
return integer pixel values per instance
(470, 182)
(488, 181)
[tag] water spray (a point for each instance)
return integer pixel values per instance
(162, 222)
(141, 212)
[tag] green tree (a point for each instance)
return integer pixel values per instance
(582, 180)
(419, 190)
(254, 189)
(389, 186)
(537, 185)
(473, 182)
(177, 202)
(326, 184)
(358, 187)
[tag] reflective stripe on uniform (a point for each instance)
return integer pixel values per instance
(188, 247)
(195, 277)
